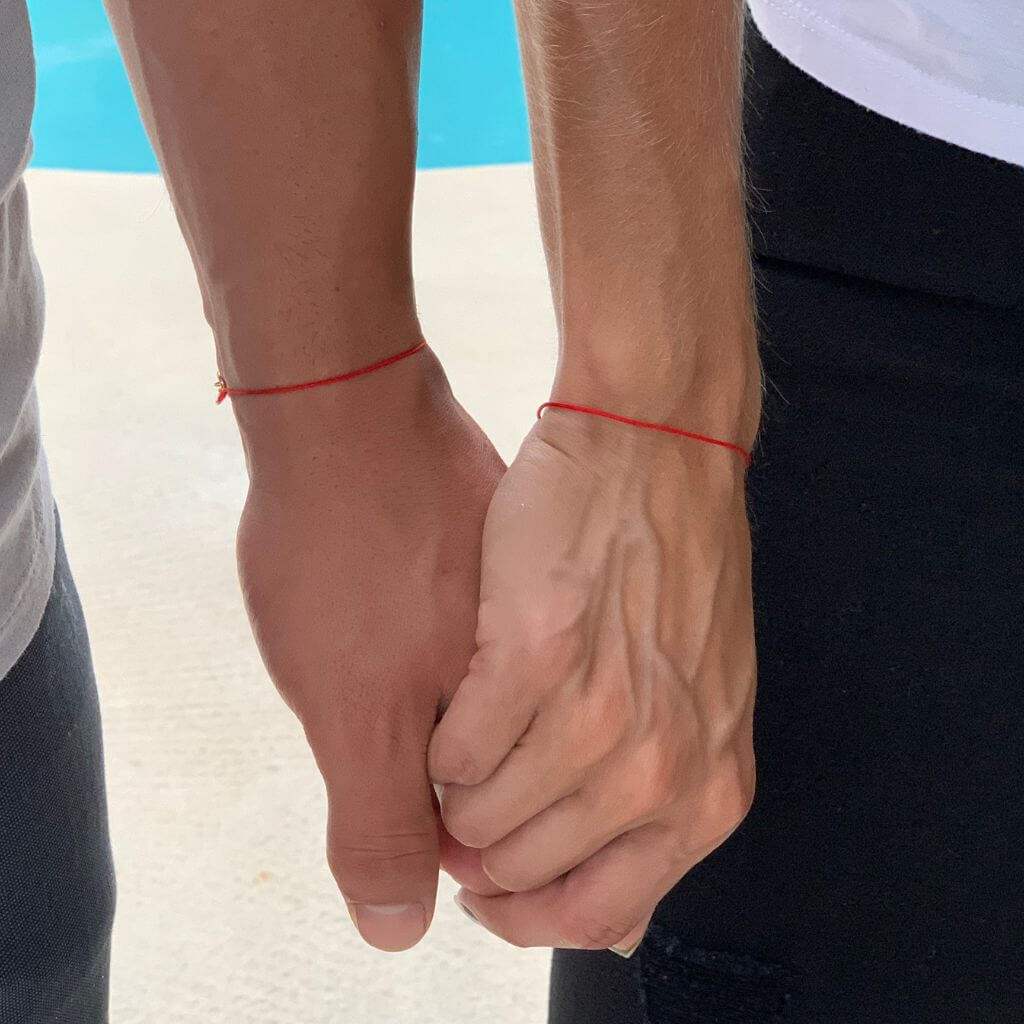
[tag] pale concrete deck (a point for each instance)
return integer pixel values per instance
(227, 911)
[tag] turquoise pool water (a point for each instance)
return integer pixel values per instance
(472, 109)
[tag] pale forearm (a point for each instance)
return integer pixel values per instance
(286, 132)
(635, 113)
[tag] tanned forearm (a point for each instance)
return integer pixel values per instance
(286, 132)
(635, 108)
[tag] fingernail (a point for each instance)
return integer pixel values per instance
(390, 926)
(462, 906)
(626, 951)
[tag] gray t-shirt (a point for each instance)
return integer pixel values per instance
(26, 507)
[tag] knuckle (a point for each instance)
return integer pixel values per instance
(660, 774)
(587, 929)
(727, 802)
(604, 721)
(453, 761)
(503, 870)
(512, 938)
(554, 642)
(464, 822)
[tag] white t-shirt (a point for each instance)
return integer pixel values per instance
(950, 68)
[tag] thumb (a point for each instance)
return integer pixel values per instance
(382, 838)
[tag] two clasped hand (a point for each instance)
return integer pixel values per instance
(600, 744)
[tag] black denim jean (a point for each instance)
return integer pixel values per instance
(56, 872)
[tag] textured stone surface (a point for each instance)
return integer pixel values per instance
(227, 911)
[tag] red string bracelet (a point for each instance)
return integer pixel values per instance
(646, 426)
(225, 392)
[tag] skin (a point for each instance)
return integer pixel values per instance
(286, 133)
(599, 742)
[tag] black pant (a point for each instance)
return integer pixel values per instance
(879, 878)
(56, 876)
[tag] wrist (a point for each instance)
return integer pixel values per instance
(360, 425)
(710, 391)
(667, 469)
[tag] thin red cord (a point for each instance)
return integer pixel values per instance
(646, 426)
(226, 392)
